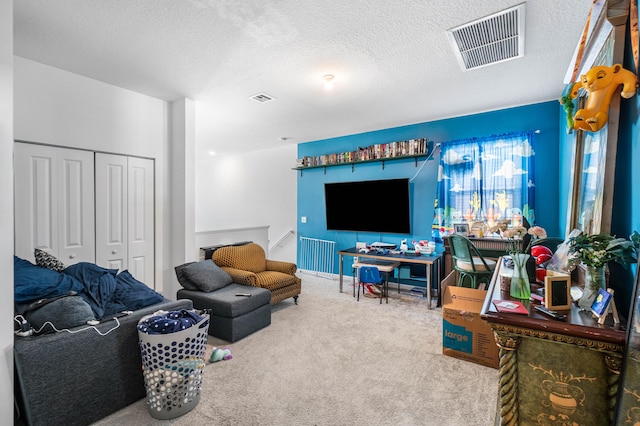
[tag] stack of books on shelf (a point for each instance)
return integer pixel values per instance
(380, 151)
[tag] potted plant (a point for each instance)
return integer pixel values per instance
(595, 251)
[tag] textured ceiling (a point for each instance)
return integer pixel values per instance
(392, 61)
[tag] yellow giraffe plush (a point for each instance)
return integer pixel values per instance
(601, 82)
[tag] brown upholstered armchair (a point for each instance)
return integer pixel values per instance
(248, 265)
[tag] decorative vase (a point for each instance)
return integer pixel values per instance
(594, 280)
(520, 286)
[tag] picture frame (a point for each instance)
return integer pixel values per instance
(461, 228)
(557, 291)
(477, 229)
(600, 306)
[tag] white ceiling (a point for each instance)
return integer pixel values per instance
(392, 61)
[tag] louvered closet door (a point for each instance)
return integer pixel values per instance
(140, 219)
(111, 211)
(54, 205)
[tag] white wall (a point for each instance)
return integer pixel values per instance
(250, 190)
(61, 108)
(57, 107)
(6, 212)
(181, 225)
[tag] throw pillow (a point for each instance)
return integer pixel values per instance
(182, 278)
(63, 313)
(207, 276)
(47, 260)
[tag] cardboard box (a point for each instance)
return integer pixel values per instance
(464, 334)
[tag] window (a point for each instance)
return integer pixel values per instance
(485, 180)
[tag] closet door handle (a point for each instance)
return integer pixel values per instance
(72, 256)
(114, 251)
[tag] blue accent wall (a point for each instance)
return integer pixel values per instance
(543, 117)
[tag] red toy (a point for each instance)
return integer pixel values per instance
(538, 250)
(540, 274)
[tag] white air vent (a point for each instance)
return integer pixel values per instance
(495, 38)
(262, 97)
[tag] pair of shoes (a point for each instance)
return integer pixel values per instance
(370, 295)
(372, 289)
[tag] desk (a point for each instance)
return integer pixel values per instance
(429, 261)
(552, 369)
(383, 266)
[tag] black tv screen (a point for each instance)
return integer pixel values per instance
(368, 206)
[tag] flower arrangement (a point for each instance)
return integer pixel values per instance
(597, 250)
(516, 234)
(520, 287)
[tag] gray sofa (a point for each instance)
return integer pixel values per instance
(77, 379)
(236, 310)
(233, 317)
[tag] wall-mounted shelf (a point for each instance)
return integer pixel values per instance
(353, 163)
(415, 148)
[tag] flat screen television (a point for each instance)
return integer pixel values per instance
(380, 206)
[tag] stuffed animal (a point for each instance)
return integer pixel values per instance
(220, 355)
(601, 82)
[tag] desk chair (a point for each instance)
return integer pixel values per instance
(371, 275)
(469, 262)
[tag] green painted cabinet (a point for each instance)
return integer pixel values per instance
(554, 372)
(629, 404)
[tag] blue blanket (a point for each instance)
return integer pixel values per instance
(169, 322)
(105, 290)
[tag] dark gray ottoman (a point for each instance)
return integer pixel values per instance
(233, 317)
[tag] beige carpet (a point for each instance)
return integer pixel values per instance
(334, 361)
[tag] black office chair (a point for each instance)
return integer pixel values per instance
(469, 262)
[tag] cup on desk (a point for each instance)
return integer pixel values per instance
(506, 273)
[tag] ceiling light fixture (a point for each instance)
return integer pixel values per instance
(212, 153)
(328, 81)
(262, 97)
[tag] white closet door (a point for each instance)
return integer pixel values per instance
(140, 217)
(111, 211)
(35, 196)
(76, 227)
(54, 209)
